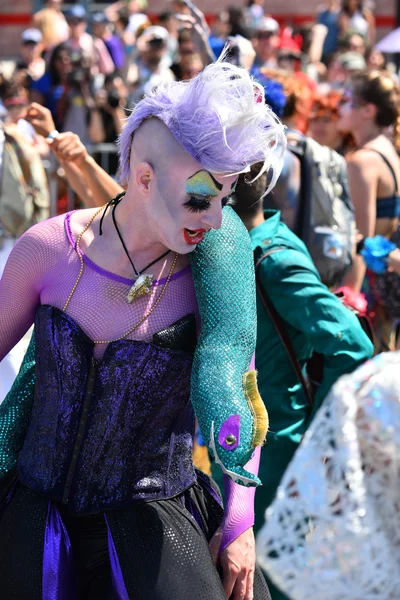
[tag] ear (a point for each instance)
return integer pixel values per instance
(144, 175)
(370, 111)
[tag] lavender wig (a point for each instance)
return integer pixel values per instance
(219, 117)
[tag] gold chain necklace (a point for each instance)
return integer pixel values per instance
(146, 315)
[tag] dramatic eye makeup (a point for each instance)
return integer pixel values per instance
(203, 183)
(201, 188)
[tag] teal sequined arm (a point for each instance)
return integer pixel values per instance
(15, 412)
(223, 399)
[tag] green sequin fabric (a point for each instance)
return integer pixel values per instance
(223, 275)
(15, 412)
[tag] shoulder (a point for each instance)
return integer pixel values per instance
(45, 238)
(286, 253)
(363, 162)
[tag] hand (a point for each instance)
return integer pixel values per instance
(69, 148)
(198, 17)
(101, 99)
(40, 118)
(393, 261)
(195, 21)
(238, 561)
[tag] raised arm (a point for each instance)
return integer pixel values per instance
(92, 184)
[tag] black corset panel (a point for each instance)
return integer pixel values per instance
(105, 433)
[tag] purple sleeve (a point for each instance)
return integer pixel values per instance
(239, 504)
(20, 287)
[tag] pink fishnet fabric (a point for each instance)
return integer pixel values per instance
(43, 268)
(239, 504)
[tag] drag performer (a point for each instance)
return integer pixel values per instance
(103, 501)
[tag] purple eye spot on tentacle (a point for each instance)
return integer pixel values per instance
(229, 434)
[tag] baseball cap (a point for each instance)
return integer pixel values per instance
(99, 18)
(269, 25)
(353, 61)
(76, 12)
(31, 35)
(154, 32)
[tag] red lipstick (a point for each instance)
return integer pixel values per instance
(193, 236)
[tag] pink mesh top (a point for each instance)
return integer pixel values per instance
(43, 268)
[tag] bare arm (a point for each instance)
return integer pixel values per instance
(363, 181)
(84, 175)
(92, 184)
(371, 27)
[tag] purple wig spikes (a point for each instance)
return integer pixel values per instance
(219, 117)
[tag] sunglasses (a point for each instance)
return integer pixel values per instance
(265, 35)
(74, 21)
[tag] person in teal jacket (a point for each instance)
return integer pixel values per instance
(315, 320)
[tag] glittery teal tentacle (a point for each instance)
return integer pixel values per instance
(15, 412)
(223, 275)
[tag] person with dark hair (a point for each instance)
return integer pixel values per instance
(52, 88)
(106, 118)
(375, 60)
(369, 108)
(313, 318)
(328, 15)
(355, 17)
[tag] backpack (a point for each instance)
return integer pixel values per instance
(24, 193)
(325, 219)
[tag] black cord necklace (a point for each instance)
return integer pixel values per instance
(144, 281)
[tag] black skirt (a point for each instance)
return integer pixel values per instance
(160, 547)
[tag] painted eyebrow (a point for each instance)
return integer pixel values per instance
(218, 185)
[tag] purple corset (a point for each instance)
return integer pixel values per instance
(105, 433)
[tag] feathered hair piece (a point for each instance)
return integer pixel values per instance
(219, 117)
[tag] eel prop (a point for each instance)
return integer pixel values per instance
(15, 412)
(231, 414)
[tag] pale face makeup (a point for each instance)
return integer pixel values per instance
(180, 200)
(189, 205)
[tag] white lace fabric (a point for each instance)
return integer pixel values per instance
(333, 531)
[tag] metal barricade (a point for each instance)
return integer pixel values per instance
(104, 150)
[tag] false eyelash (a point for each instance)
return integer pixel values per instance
(196, 205)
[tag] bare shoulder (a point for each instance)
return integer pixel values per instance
(363, 157)
(364, 163)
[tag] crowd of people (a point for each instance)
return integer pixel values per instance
(318, 190)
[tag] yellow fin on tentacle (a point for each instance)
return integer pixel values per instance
(257, 408)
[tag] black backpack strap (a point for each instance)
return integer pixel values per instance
(281, 330)
(297, 144)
